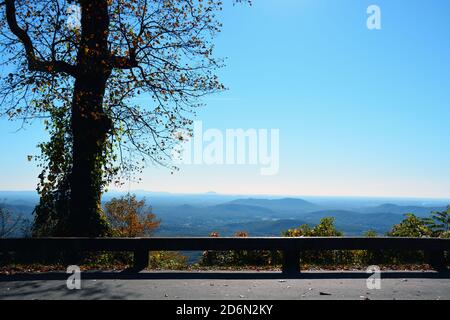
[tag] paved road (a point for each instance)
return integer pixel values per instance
(218, 285)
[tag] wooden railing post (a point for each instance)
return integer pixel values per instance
(140, 259)
(291, 262)
(437, 260)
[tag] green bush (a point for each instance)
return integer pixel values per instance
(411, 226)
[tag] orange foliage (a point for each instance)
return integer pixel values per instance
(130, 218)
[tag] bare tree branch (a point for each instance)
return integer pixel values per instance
(34, 64)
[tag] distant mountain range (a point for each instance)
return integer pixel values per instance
(269, 217)
(393, 208)
(199, 215)
(285, 204)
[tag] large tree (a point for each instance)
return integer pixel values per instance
(123, 80)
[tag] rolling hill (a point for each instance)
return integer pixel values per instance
(398, 209)
(282, 205)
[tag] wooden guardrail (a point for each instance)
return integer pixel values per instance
(290, 247)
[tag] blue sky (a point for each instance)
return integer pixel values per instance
(360, 112)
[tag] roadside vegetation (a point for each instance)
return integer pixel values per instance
(129, 217)
(436, 225)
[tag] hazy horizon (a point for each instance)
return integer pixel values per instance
(249, 195)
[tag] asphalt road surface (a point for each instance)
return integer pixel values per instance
(228, 286)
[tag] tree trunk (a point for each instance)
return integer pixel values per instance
(90, 124)
(89, 129)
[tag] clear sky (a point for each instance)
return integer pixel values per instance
(360, 112)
